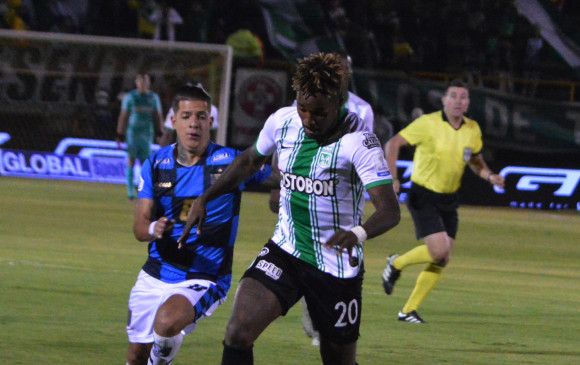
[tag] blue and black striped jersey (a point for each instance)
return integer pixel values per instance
(174, 187)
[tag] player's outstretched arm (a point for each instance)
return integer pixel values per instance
(241, 168)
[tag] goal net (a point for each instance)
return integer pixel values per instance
(57, 86)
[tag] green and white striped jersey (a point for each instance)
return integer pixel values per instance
(322, 187)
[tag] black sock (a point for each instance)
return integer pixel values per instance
(233, 356)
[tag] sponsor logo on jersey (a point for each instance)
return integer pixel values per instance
(307, 185)
(371, 141)
(380, 165)
(467, 152)
(324, 160)
(164, 185)
(264, 252)
(269, 269)
(165, 161)
(220, 156)
(214, 177)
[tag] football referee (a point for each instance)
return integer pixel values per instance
(445, 142)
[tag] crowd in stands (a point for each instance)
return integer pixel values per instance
(478, 37)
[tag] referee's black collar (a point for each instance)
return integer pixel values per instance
(444, 117)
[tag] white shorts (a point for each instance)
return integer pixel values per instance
(150, 293)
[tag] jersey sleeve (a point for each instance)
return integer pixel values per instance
(477, 140)
(145, 188)
(368, 118)
(266, 144)
(157, 102)
(416, 131)
(126, 103)
(369, 160)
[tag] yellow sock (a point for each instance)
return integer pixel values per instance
(418, 255)
(426, 281)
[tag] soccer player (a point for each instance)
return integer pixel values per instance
(169, 136)
(316, 250)
(178, 286)
(364, 111)
(139, 121)
(445, 142)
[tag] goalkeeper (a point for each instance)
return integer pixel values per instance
(140, 117)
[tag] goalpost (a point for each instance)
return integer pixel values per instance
(56, 86)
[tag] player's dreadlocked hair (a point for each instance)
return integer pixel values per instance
(323, 73)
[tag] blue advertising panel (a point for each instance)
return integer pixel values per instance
(525, 187)
(95, 161)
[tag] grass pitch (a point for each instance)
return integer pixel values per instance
(68, 260)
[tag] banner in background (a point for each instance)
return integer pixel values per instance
(296, 28)
(101, 161)
(258, 93)
(507, 122)
(525, 187)
(95, 161)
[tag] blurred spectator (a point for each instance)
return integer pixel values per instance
(16, 14)
(105, 123)
(246, 45)
(532, 61)
(165, 18)
(403, 54)
(69, 16)
(196, 21)
(113, 18)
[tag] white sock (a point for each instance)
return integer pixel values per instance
(164, 349)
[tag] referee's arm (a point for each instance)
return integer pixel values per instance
(479, 167)
(392, 148)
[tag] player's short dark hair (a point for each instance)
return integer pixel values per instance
(191, 91)
(456, 83)
(323, 73)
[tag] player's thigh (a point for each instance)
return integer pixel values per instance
(144, 301)
(255, 307)
(174, 315)
(138, 145)
(183, 304)
(335, 305)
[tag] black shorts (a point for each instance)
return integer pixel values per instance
(334, 304)
(433, 212)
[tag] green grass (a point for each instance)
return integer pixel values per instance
(68, 260)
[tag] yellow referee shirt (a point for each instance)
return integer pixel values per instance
(441, 151)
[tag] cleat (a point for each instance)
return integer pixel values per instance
(412, 317)
(390, 275)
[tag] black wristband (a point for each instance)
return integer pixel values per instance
(489, 177)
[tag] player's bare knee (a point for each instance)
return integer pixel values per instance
(165, 325)
(237, 335)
